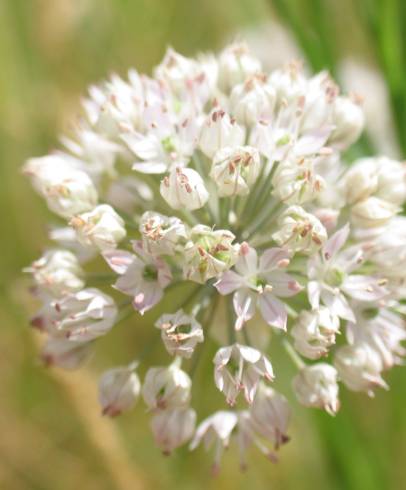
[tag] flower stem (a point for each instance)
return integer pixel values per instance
(294, 356)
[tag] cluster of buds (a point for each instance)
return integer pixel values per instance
(231, 182)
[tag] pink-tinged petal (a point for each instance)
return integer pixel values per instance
(283, 284)
(250, 382)
(222, 356)
(313, 141)
(273, 258)
(147, 297)
(247, 262)
(228, 283)
(118, 260)
(244, 302)
(335, 242)
(249, 354)
(350, 259)
(364, 288)
(313, 293)
(337, 304)
(164, 273)
(273, 311)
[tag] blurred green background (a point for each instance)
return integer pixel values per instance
(51, 434)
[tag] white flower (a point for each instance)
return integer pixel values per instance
(252, 100)
(96, 153)
(65, 353)
(166, 387)
(57, 272)
(259, 282)
(184, 188)
(295, 181)
(180, 333)
(348, 120)
(359, 367)
(218, 131)
(270, 415)
(315, 332)
(208, 253)
(361, 180)
(372, 212)
(383, 330)
(331, 279)
(235, 65)
(67, 190)
(299, 231)
(289, 82)
(85, 315)
(235, 170)
(172, 428)
(119, 389)
(316, 386)
(142, 276)
(215, 431)
(161, 234)
(391, 180)
(240, 368)
(165, 144)
(102, 227)
(116, 102)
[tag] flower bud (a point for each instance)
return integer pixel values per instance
(67, 190)
(359, 367)
(161, 234)
(166, 387)
(314, 332)
(85, 315)
(64, 353)
(235, 170)
(176, 69)
(235, 65)
(180, 333)
(172, 428)
(57, 272)
(270, 415)
(208, 253)
(296, 182)
(215, 431)
(218, 131)
(102, 228)
(239, 367)
(289, 83)
(252, 100)
(316, 386)
(391, 180)
(372, 212)
(184, 188)
(349, 120)
(300, 231)
(119, 389)
(361, 180)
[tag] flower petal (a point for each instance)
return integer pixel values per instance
(273, 311)
(244, 302)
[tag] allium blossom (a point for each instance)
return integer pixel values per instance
(218, 196)
(316, 386)
(259, 282)
(240, 368)
(119, 389)
(180, 333)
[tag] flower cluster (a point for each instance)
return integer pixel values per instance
(232, 182)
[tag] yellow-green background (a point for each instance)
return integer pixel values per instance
(51, 434)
